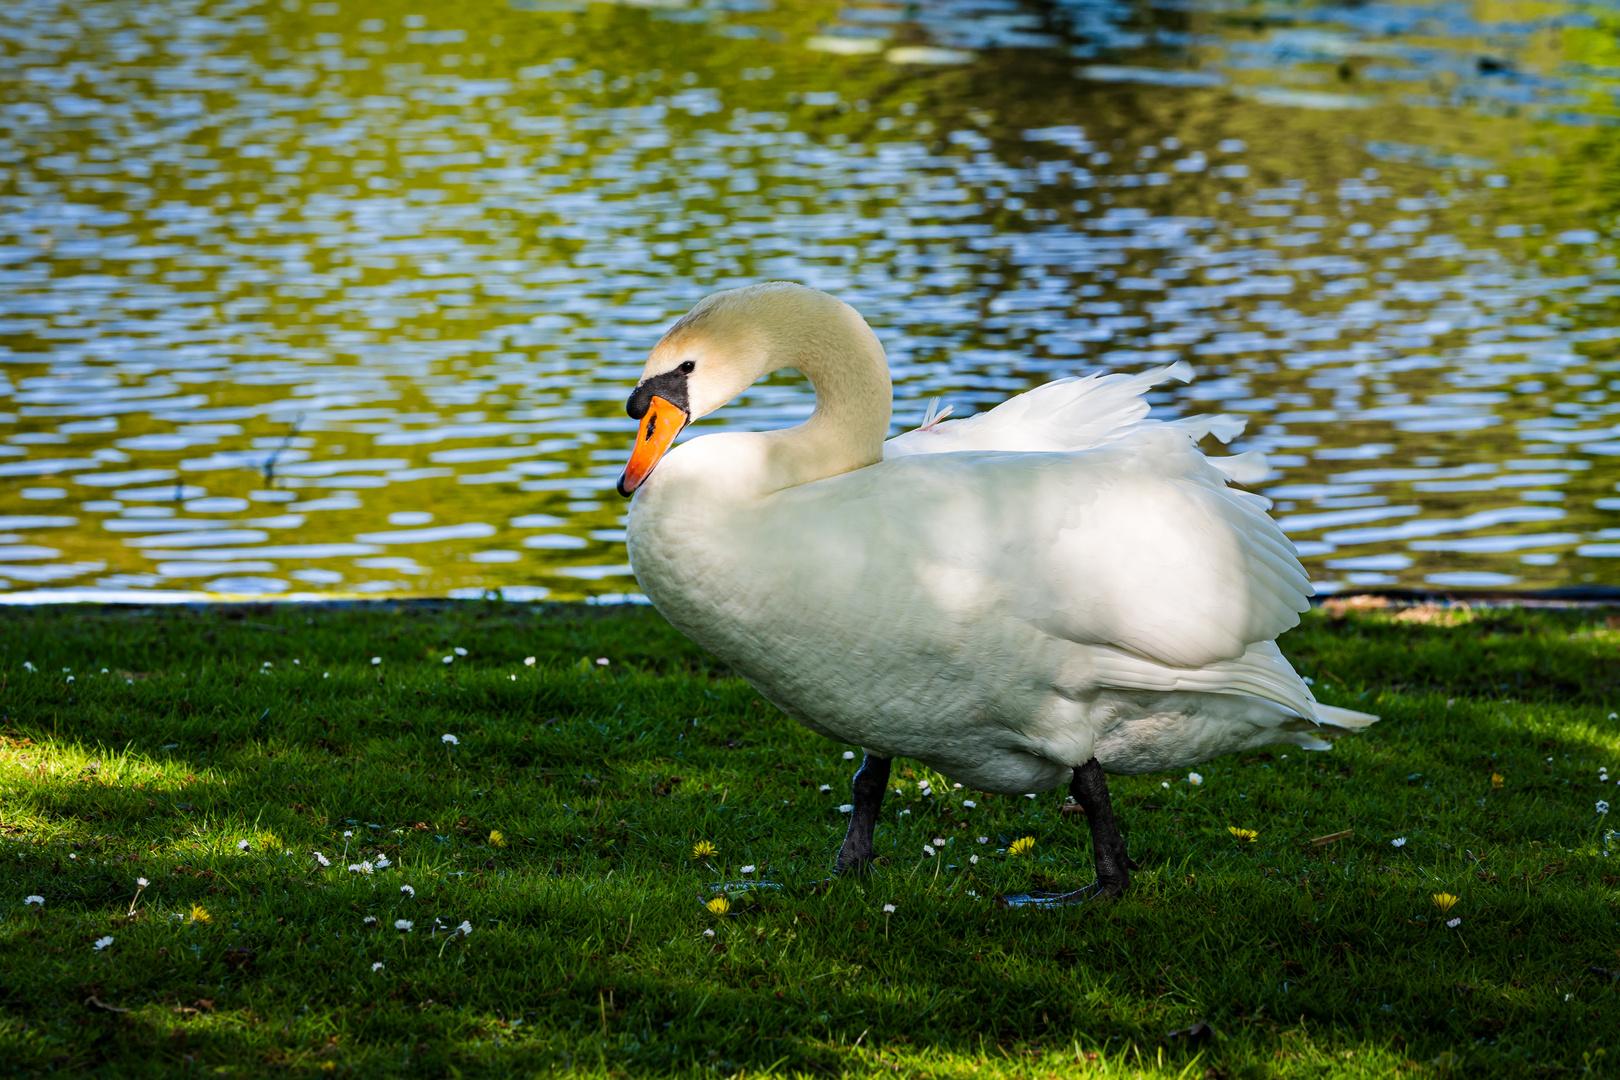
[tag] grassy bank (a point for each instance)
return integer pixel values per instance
(213, 753)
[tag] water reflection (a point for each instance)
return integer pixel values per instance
(300, 301)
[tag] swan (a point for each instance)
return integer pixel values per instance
(1050, 591)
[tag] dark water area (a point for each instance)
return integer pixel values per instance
(310, 299)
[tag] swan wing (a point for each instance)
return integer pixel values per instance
(1157, 556)
(1140, 545)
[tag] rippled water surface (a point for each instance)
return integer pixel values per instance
(322, 299)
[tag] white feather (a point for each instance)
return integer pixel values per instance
(1002, 596)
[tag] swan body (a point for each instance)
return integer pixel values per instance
(1003, 597)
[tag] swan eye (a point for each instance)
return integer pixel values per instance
(686, 368)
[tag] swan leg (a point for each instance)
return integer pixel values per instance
(1114, 865)
(871, 781)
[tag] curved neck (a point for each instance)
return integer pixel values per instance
(854, 397)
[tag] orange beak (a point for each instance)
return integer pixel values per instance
(658, 430)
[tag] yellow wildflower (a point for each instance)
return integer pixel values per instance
(718, 906)
(1497, 779)
(1444, 901)
(1248, 835)
(1022, 846)
(703, 849)
(496, 839)
(200, 914)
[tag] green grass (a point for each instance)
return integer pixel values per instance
(590, 952)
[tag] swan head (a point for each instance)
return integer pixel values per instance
(720, 348)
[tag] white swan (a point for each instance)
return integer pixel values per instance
(1050, 590)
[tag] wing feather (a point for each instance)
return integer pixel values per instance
(1104, 527)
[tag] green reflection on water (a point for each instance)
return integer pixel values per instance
(419, 259)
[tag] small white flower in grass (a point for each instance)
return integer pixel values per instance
(73, 856)
(512, 677)
(326, 674)
(450, 740)
(970, 804)
(322, 860)
(369, 920)
(36, 900)
(377, 966)
(849, 755)
(602, 661)
(1602, 807)
(347, 833)
(928, 851)
(1031, 795)
(528, 661)
(103, 942)
(974, 859)
(888, 909)
(1194, 778)
(28, 665)
(265, 664)
(956, 787)
(903, 813)
(984, 839)
(749, 869)
(403, 925)
(465, 927)
(1453, 923)
(1399, 841)
(141, 883)
(70, 678)
(360, 868)
(449, 659)
(708, 933)
(459, 651)
(826, 787)
(407, 890)
(1164, 783)
(375, 660)
(383, 863)
(243, 845)
(846, 808)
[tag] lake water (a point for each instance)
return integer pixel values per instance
(301, 299)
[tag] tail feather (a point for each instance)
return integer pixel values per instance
(1348, 719)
